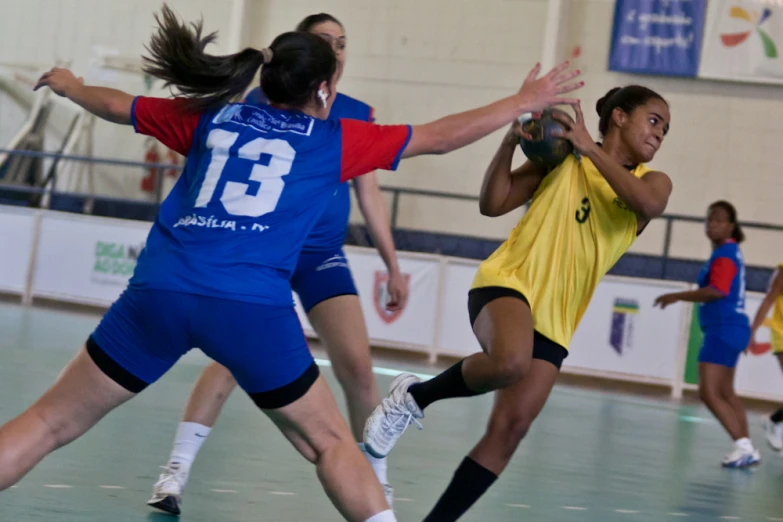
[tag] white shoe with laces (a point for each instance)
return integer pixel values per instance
(773, 432)
(741, 458)
(167, 491)
(392, 417)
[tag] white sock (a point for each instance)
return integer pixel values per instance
(744, 444)
(383, 516)
(190, 437)
(378, 465)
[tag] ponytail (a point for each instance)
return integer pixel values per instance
(295, 65)
(177, 57)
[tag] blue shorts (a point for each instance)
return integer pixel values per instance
(320, 276)
(146, 331)
(724, 344)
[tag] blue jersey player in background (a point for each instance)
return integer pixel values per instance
(323, 281)
(216, 267)
(726, 329)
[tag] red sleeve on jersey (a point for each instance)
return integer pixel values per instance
(367, 147)
(167, 120)
(722, 274)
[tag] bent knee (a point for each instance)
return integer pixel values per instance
(511, 370)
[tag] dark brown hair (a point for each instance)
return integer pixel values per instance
(737, 235)
(299, 63)
(627, 98)
(314, 19)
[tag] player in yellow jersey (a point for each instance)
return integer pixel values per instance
(773, 425)
(528, 297)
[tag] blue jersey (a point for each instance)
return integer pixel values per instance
(255, 182)
(724, 271)
(329, 232)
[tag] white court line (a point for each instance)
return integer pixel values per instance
(772, 518)
(678, 514)
(225, 491)
(402, 499)
(518, 505)
(57, 486)
(730, 518)
(14, 487)
(626, 511)
(281, 493)
(575, 508)
(112, 487)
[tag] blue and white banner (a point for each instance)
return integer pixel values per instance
(660, 37)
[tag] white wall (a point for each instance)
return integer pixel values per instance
(722, 143)
(45, 33)
(416, 60)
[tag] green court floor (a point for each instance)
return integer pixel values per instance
(592, 455)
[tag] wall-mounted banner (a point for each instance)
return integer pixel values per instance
(741, 41)
(661, 37)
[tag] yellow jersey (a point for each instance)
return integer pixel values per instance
(775, 321)
(574, 231)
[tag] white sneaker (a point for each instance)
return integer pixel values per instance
(167, 492)
(392, 417)
(773, 433)
(741, 458)
(388, 492)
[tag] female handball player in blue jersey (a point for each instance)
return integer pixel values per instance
(215, 270)
(323, 281)
(721, 295)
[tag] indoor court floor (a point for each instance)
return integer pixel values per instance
(591, 456)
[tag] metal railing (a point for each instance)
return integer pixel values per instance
(396, 194)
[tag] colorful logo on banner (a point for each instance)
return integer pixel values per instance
(621, 333)
(735, 39)
(381, 296)
(661, 37)
(115, 262)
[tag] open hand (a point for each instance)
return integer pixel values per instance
(59, 80)
(575, 130)
(539, 93)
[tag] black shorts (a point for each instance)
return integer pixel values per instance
(543, 347)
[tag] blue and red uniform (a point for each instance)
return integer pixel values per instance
(322, 271)
(725, 325)
(216, 267)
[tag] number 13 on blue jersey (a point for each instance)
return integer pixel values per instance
(235, 196)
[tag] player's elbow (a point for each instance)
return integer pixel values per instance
(651, 209)
(490, 208)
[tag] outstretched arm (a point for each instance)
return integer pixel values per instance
(109, 104)
(458, 130)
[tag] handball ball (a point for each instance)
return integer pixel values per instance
(543, 149)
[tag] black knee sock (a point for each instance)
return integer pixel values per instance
(471, 480)
(446, 385)
(777, 417)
